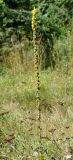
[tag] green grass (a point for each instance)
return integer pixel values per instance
(18, 98)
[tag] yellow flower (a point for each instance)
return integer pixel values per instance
(34, 11)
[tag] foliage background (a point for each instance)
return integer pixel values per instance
(53, 20)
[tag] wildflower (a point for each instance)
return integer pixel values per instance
(34, 11)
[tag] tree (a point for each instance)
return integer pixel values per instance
(15, 4)
(14, 19)
(52, 19)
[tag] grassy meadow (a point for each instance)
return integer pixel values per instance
(36, 80)
(19, 133)
(19, 115)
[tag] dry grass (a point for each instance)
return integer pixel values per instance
(19, 133)
(19, 126)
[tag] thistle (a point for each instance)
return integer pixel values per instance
(36, 60)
